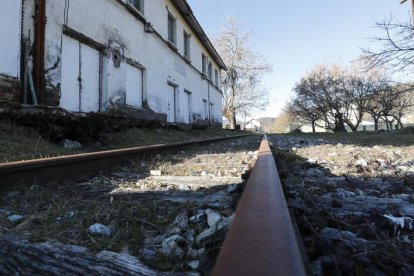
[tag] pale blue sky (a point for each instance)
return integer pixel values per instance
(294, 36)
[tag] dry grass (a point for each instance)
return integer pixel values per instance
(22, 143)
(58, 215)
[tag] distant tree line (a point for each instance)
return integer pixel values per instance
(333, 97)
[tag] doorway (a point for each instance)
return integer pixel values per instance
(172, 103)
(134, 86)
(80, 77)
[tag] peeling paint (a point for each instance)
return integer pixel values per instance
(119, 36)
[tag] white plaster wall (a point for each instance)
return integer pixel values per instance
(10, 29)
(109, 23)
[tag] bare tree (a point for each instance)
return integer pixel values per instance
(396, 46)
(321, 91)
(404, 102)
(360, 87)
(304, 111)
(338, 97)
(242, 82)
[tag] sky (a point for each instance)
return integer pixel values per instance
(295, 36)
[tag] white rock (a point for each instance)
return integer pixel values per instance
(193, 265)
(174, 246)
(5, 212)
(182, 220)
(184, 187)
(210, 233)
(362, 162)
(213, 218)
(69, 144)
(198, 218)
(315, 172)
(15, 218)
(100, 229)
(344, 193)
(196, 254)
(400, 222)
(155, 172)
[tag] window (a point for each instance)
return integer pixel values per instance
(210, 71)
(205, 109)
(204, 61)
(172, 25)
(138, 4)
(186, 45)
(189, 105)
(216, 77)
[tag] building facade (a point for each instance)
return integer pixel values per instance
(91, 56)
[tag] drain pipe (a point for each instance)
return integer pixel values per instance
(30, 80)
(208, 103)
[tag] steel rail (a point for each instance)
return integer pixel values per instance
(80, 166)
(261, 239)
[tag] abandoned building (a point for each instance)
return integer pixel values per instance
(95, 55)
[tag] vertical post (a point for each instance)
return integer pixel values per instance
(39, 49)
(412, 10)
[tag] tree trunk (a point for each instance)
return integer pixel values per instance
(233, 121)
(339, 123)
(376, 122)
(232, 107)
(399, 122)
(313, 127)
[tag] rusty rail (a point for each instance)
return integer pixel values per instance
(261, 239)
(80, 166)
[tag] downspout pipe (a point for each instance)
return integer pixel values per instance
(39, 49)
(208, 104)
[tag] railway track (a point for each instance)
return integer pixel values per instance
(80, 166)
(181, 209)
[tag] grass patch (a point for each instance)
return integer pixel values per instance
(23, 143)
(56, 215)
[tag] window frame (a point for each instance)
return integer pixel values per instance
(172, 33)
(187, 45)
(204, 64)
(140, 7)
(205, 109)
(216, 76)
(210, 71)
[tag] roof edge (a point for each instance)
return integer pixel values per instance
(185, 10)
